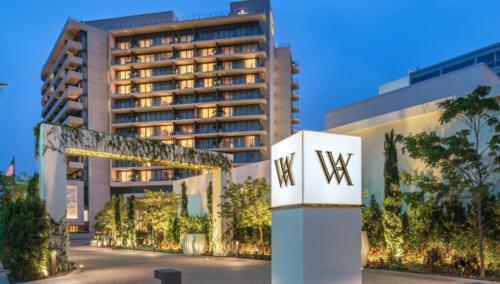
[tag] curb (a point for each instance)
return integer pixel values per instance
(426, 276)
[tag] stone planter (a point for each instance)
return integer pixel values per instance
(365, 248)
(194, 244)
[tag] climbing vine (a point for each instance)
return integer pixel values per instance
(99, 144)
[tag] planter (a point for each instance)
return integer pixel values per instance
(194, 244)
(365, 248)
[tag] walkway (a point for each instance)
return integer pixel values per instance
(122, 266)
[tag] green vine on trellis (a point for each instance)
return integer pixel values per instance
(130, 149)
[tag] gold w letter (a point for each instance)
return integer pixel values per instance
(284, 170)
(336, 168)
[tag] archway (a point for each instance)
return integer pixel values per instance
(56, 142)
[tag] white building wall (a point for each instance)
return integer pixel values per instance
(416, 119)
(197, 185)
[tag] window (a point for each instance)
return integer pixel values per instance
(425, 77)
(187, 143)
(458, 66)
(183, 69)
(207, 112)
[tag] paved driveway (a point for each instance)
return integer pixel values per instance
(122, 266)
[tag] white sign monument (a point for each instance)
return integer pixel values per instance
(316, 200)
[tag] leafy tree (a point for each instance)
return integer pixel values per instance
(469, 162)
(371, 218)
(250, 202)
(106, 218)
(184, 200)
(118, 219)
(131, 219)
(160, 209)
(24, 237)
(210, 221)
(391, 212)
(13, 187)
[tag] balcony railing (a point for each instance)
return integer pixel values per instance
(228, 83)
(195, 85)
(250, 96)
(231, 51)
(238, 160)
(195, 70)
(191, 132)
(243, 11)
(227, 146)
(215, 52)
(192, 38)
(237, 113)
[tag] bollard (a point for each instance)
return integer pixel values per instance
(237, 249)
(168, 276)
(53, 262)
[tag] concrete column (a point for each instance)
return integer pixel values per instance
(318, 245)
(52, 176)
(219, 180)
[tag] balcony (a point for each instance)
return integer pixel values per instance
(191, 117)
(295, 120)
(202, 133)
(71, 93)
(70, 78)
(208, 101)
(70, 47)
(224, 55)
(295, 109)
(73, 121)
(241, 161)
(295, 67)
(200, 72)
(70, 63)
(74, 166)
(232, 147)
(236, 84)
(231, 37)
(295, 84)
(295, 96)
(71, 107)
(295, 131)
(139, 181)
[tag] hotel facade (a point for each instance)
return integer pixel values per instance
(214, 81)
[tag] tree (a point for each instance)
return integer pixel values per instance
(184, 200)
(160, 208)
(131, 220)
(118, 219)
(250, 202)
(24, 237)
(13, 187)
(391, 212)
(468, 161)
(371, 218)
(210, 222)
(105, 219)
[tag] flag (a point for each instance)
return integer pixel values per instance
(12, 170)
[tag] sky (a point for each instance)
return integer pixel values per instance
(346, 49)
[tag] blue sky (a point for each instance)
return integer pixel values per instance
(346, 49)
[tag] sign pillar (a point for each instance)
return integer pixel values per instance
(316, 203)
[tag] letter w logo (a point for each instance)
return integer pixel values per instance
(284, 170)
(336, 167)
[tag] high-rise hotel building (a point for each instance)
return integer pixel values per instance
(214, 80)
